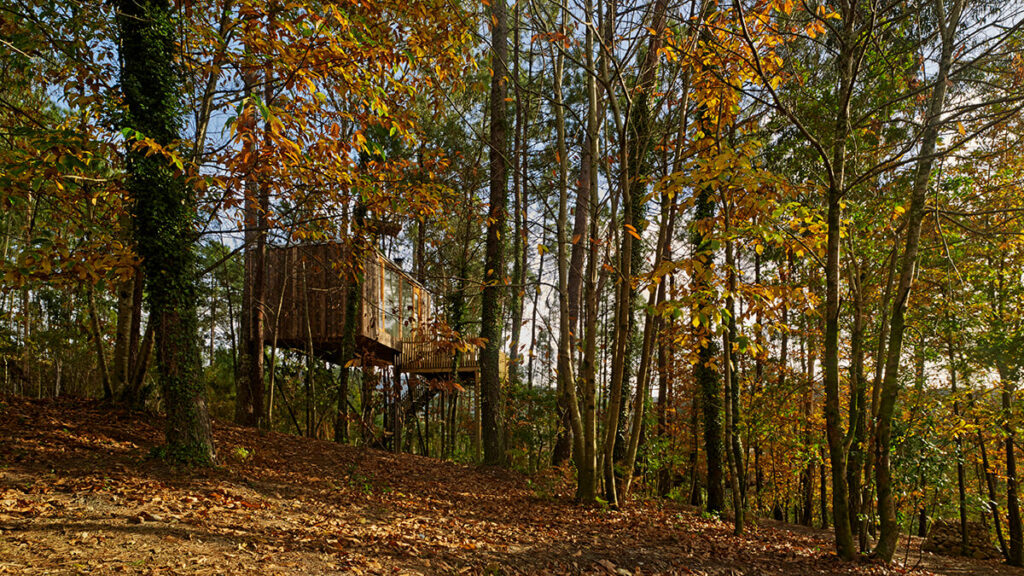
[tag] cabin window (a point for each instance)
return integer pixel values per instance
(377, 304)
(417, 308)
(408, 307)
(392, 302)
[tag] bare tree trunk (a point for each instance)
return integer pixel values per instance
(121, 368)
(858, 411)
(867, 500)
(249, 401)
(620, 339)
(351, 320)
(134, 392)
(520, 231)
(566, 380)
(310, 356)
(494, 259)
(1016, 548)
(97, 336)
(652, 327)
(758, 390)
(586, 460)
(808, 348)
(273, 356)
(961, 478)
(990, 481)
(636, 143)
(849, 52)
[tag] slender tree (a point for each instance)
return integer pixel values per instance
(494, 257)
(948, 21)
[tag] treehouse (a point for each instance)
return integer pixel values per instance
(305, 297)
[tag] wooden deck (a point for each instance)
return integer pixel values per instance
(426, 358)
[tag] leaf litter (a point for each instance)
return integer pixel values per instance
(79, 494)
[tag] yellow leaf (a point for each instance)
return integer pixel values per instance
(960, 128)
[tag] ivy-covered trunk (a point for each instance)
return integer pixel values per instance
(164, 214)
(350, 325)
(709, 385)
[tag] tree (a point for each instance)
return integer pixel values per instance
(494, 260)
(249, 409)
(949, 22)
(164, 219)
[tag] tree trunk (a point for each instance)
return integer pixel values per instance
(961, 478)
(351, 320)
(1016, 533)
(705, 373)
(637, 169)
(867, 501)
(494, 257)
(101, 353)
(636, 143)
(732, 386)
(566, 384)
(990, 482)
(808, 348)
(652, 327)
(586, 460)
(858, 412)
(837, 447)
(164, 207)
(889, 535)
(121, 368)
(520, 230)
(249, 407)
(621, 337)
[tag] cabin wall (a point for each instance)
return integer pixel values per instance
(305, 287)
(305, 295)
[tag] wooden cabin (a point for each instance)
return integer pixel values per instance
(305, 295)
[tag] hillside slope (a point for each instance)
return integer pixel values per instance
(79, 495)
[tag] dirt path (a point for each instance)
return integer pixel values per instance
(78, 494)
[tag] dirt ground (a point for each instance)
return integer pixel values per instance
(80, 495)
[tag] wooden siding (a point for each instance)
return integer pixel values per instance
(306, 292)
(305, 295)
(305, 299)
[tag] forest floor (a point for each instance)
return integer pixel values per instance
(79, 494)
